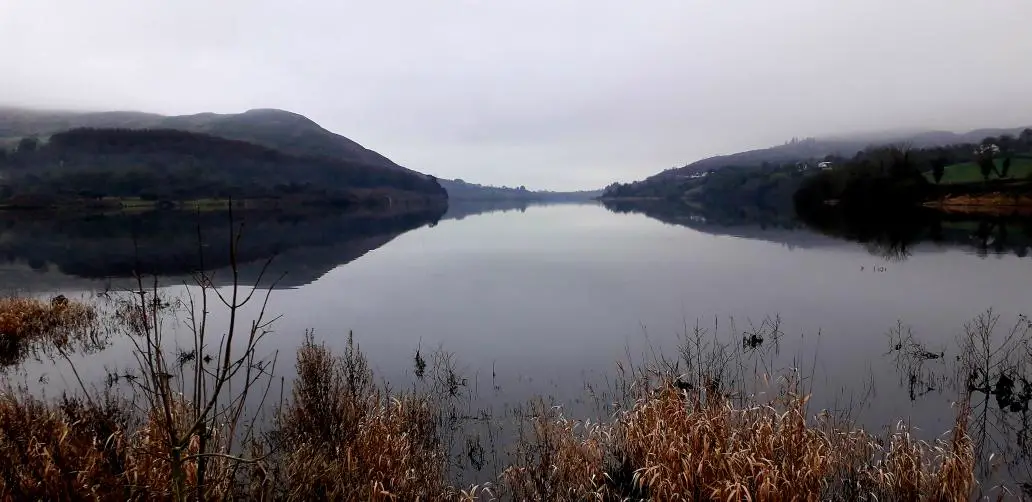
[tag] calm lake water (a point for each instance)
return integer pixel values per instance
(543, 300)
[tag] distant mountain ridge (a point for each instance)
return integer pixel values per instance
(278, 129)
(461, 190)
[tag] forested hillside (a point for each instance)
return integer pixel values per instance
(772, 183)
(172, 165)
(785, 157)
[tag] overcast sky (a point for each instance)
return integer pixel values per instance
(557, 94)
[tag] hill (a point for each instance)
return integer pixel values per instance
(782, 158)
(844, 146)
(94, 166)
(281, 130)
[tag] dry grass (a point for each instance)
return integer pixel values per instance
(384, 460)
(80, 449)
(44, 456)
(340, 438)
(670, 446)
(28, 324)
(559, 459)
(343, 439)
(680, 447)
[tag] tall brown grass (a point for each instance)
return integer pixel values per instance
(559, 459)
(678, 446)
(344, 439)
(340, 436)
(80, 449)
(673, 446)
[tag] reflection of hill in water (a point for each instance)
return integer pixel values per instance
(746, 222)
(894, 238)
(461, 208)
(71, 252)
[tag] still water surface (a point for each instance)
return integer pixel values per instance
(544, 300)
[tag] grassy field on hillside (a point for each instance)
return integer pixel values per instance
(966, 172)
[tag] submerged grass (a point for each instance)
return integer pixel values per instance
(28, 324)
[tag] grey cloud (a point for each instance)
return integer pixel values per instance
(552, 94)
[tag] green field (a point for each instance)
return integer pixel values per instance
(967, 172)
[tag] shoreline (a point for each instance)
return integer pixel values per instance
(128, 205)
(989, 204)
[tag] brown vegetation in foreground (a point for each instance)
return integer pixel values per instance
(676, 446)
(80, 449)
(342, 437)
(339, 438)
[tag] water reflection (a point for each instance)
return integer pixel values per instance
(896, 237)
(891, 238)
(989, 365)
(46, 252)
(708, 217)
(459, 209)
(542, 302)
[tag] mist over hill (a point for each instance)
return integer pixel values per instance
(800, 149)
(52, 158)
(278, 129)
(770, 175)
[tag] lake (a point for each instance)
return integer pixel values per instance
(547, 300)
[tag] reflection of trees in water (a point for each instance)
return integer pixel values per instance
(996, 366)
(992, 366)
(890, 251)
(920, 369)
(894, 236)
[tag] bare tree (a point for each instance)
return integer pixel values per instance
(203, 426)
